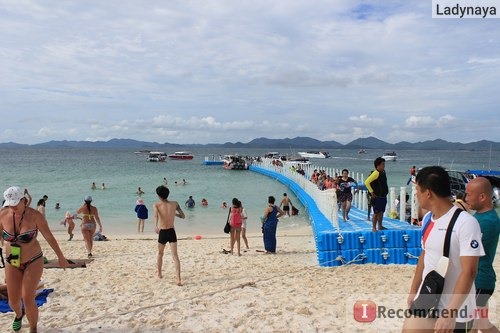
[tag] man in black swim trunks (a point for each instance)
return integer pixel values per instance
(286, 203)
(165, 212)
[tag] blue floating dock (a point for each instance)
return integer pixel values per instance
(210, 162)
(354, 242)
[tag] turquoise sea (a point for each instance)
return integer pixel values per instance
(66, 175)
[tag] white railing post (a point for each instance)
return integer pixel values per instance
(392, 198)
(414, 203)
(402, 204)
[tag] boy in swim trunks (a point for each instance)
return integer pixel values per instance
(165, 212)
(286, 203)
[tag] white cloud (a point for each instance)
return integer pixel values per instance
(217, 71)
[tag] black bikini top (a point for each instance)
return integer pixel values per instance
(24, 237)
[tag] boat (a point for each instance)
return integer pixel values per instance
(235, 162)
(390, 156)
(361, 151)
(297, 162)
(272, 154)
(157, 156)
(314, 154)
(181, 155)
(212, 160)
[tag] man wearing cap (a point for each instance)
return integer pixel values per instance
(19, 225)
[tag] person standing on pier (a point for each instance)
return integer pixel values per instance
(345, 184)
(376, 183)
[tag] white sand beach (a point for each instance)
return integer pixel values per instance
(285, 292)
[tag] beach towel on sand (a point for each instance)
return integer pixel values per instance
(73, 263)
(40, 300)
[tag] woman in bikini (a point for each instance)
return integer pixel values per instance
(20, 225)
(89, 218)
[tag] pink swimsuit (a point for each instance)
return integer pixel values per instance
(236, 220)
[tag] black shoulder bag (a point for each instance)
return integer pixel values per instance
(432, 286)
(1, 257)
(227, 227)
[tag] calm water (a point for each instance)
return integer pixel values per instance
(66, 175)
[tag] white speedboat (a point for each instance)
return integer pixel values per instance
(390, 156)
(157, 156)
(314, 154)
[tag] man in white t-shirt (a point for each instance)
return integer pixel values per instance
(457, 307)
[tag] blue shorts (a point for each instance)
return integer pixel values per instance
(379, 204)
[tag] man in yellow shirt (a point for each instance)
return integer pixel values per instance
(376, 183)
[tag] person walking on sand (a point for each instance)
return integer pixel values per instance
(270, 224)
(244, 217)
(479, 196)
(165, 212)
(142, 214)
(236, 222)
(69, 220)
(376, 183)
(455, 310)
(20, 225)
(90, 219)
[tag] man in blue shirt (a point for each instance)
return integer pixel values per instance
(479, 196)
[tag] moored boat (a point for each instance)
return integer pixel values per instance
(157, 156)
(235, 162)
(390, 156)
(181, 155)
(314, 154)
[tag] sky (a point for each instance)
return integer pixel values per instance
(216, 71)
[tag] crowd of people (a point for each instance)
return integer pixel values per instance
(469, 279)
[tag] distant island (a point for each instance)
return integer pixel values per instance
(297, 142)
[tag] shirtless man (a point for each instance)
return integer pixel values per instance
(164, 214)
(286, 203)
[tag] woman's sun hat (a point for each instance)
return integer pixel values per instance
(88, 198)
(12, 196)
